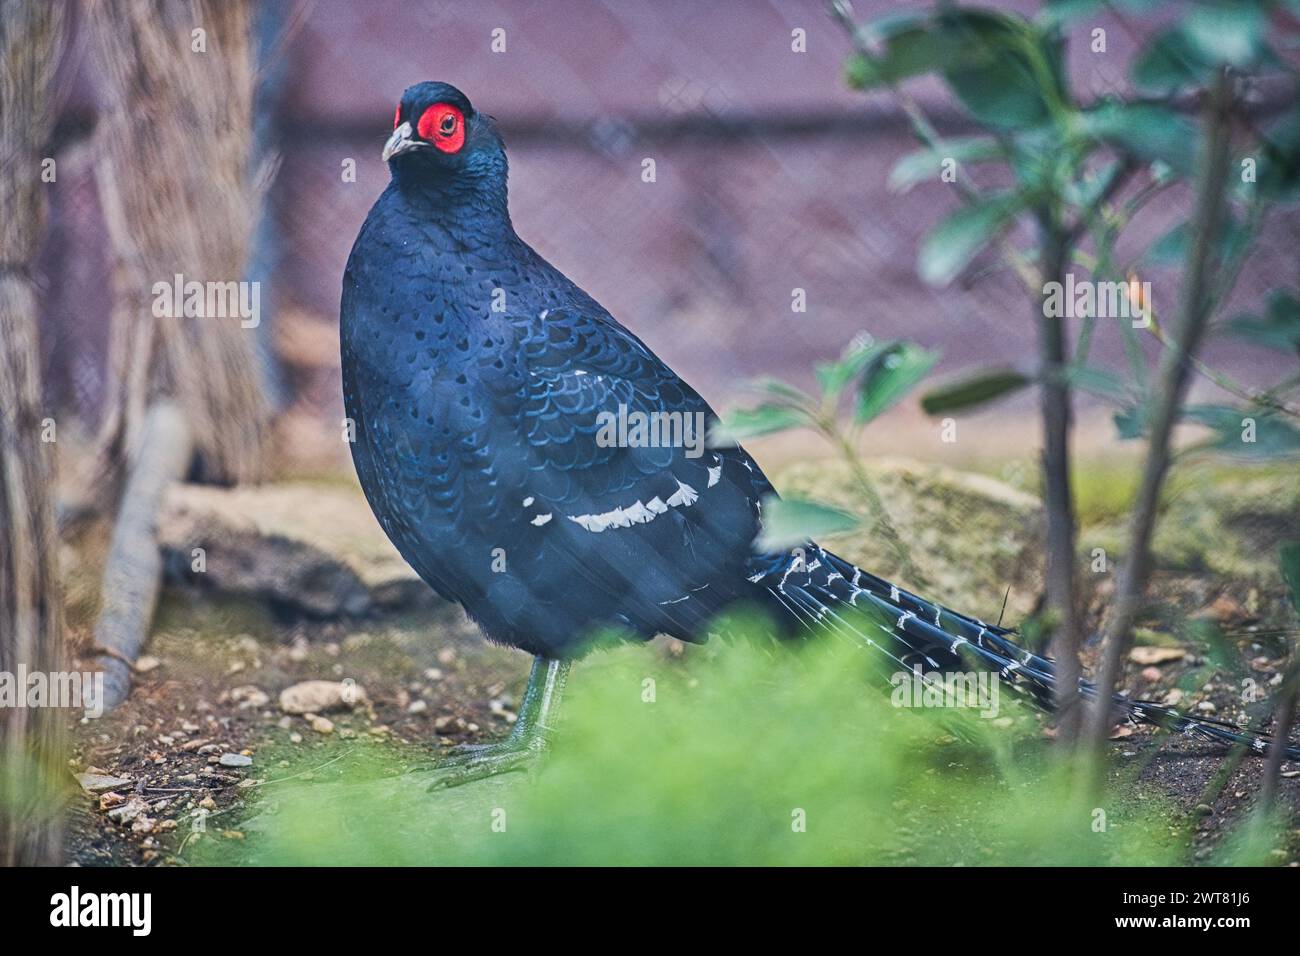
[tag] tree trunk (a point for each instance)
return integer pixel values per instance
(180, 199)
(31, 607)
(1058, 498)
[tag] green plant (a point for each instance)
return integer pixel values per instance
(733, 755)
(1080, 172)
(874, 376)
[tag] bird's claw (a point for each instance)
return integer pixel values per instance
(470, 762)
(469, 750)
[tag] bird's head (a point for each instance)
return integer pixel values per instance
(438, 138)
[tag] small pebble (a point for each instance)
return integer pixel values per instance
(322, 725)
(99, 783)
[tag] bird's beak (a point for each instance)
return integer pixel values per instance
(400, 142)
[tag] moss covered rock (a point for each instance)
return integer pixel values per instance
(970, 535)
(1224, 521)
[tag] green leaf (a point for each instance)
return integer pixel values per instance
(1278, 329)
(1083, 192)
(1173, 247)
(860, 72)
(891, 374)
(1146, 132)
(1236, 432)
(1058, 12)
(1168, 63)
(1231, 33)
(742, 423)
(952, 244)
(1007, 73)
(1289, 555)
(1089, 378)
(857, 355)
(928, 164)
(781, 393)
(994, 62)
(1246, 434)
(1278, 175)
(1037, 158)
(1131, 423)
(788, 522)
(973, 391)
(904, 45)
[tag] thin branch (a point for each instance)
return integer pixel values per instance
(1174, 374)
(1061, 584)
(879, 516)
(1264, 399)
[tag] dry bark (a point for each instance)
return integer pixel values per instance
(180, 198)
(31, 607)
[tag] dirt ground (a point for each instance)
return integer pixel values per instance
(429, 682)
(205, 727)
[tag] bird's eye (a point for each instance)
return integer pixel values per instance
(443, 125)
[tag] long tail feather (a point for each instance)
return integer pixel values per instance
(816, 589)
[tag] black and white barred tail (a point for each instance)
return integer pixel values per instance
(815, 588)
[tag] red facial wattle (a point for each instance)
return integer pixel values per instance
(443, 125)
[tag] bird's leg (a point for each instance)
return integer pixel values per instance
(527, 739)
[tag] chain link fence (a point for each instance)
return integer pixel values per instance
(770, 176)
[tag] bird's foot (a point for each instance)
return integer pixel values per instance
(470, 762)
(528, 739)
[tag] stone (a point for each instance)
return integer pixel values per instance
(1156, 655)
(94, 783)
(320, 696)
(250, 697)
(315, 548)
(322, 725)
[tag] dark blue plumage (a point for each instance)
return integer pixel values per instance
(475, 374)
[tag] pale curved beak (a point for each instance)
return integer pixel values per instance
(401, 142)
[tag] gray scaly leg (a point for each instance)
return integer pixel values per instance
(528, 738)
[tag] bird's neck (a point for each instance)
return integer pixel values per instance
(480, 203)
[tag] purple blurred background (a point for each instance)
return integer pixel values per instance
(771, 175)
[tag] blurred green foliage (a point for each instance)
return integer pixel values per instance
(737, 754)
(1070, 159)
